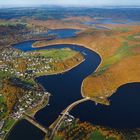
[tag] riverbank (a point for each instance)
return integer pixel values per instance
(95, 99)
(55, 85)
(110, 75)
(70, 42)
(22, 131)
(63, 71)
(67, 62)
(64, 92)
(11, 127)
(66, 65)
(30, 39)
(44, 101)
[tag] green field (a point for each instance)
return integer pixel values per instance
(8, 124)
(98, 136)
(3, 108)
(58, 54)
(56, 137)
(4, 74)
(132, 37)
(7, 23)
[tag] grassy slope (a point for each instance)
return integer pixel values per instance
(65, 59)
(116, 69)
(58, 54)
(119, 50)
(64, 56)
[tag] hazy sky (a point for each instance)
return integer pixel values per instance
(69, 2)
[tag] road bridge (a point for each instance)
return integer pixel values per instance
(66, 111)
(35, 123)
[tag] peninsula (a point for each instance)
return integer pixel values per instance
(118, 49)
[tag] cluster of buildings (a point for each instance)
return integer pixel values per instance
(7, 54)
(27, 102)
(39, 64)
(24, 64)
(3, 67)
(68, 118)
(10, 60)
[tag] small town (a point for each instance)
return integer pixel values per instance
(20, 93)
(69, 70)
(23, 64)
(19, 67)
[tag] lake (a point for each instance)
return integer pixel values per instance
(66, 88)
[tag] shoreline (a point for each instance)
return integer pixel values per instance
(43, 105)
(46, 89)
(78, 44)
(95, 99)
(32, 39)
(43, 101)
(61, 72)
(66, 42)
(7, 134)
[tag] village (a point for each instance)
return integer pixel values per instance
(20, 93)
(23, 64)
(13, 68)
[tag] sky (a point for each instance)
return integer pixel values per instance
(70, 2)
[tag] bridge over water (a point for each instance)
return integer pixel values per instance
(55, 126)
(35, 123)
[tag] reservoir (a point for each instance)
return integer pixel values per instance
(66, 88)
(59, 33)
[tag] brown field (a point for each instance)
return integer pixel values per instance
(120, 53)
(66, 65)
(79, 19)
(57, 24)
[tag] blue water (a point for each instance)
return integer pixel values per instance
(59, 33)
(122, 113)
(23, 130)
(109, 14)
(63, 33)
(66, 88)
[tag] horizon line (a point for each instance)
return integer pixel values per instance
(57, 5)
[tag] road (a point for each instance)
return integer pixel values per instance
(35, 123)
(68, 109)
